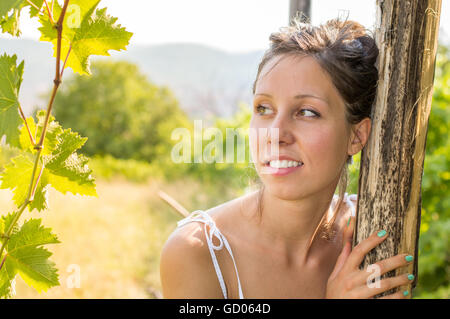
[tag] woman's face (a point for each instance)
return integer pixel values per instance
(296, 96)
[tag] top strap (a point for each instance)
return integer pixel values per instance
(348, 200)
(201, 216)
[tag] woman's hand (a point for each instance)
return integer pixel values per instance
(348, 281)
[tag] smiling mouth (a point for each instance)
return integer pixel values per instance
(279, 164)
(280, 168)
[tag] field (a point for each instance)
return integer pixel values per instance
(113, 242)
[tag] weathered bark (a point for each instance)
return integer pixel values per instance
(392, 162)
(300, 5)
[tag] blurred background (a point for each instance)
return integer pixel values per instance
(187, 60)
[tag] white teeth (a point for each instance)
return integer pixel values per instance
(284, 164)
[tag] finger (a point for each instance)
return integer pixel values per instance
(379, 286)
(346, 250)
(347, 238)
(348, 231)
(363, 248)
(382, 267)
(396, 295)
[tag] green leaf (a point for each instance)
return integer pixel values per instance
(10, 80)
(85, 33)
(69, 143)
(32, 233)
(17, 176)
(33, 265)
(51, 137)
(10, 24)
(77, 11)
(25, 258)
(6, 282)
(33, 11)
(7, 277)
(8, 5)
(68, 171)
(6, 222)
(64, 169)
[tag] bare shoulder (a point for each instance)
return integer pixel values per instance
(186, 268)
(240, 208)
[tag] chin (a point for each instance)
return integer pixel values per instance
(285, 192)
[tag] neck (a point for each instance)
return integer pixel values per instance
(291, 226)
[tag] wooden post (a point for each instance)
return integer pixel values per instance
(299, 5)
(392, 162)
(173, 203)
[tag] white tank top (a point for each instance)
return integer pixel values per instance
(203, 217)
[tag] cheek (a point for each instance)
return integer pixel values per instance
(324, 145)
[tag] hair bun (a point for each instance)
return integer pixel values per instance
(369, 48)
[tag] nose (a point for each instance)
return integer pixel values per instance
(280, 130)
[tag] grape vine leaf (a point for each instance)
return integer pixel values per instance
(51, 136)
(10, 23)
(8, 5)
(85, 32)
(64, 169)
(33, 11)
(10, 81)
(32, 233)
(6, 279)
(26, 258)
(6, 283)
(6, 221)
(17, 176)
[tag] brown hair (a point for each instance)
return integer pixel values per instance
(346, 51)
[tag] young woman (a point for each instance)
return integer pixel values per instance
(292, 238)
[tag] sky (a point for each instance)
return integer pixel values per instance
(230, 25)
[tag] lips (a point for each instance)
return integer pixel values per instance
(281, 158)
(282, 165)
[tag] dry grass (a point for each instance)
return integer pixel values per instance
(115, 240)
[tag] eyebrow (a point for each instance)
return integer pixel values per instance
(298, 96)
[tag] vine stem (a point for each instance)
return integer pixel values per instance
(65, 60)
(50, 15)
(39, 146)
(26, 125)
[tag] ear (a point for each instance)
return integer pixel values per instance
(359, 136)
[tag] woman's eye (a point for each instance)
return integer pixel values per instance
(310, 112)
(263, 110)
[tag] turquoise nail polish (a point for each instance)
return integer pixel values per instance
(405, 293)
(348, 223)
(410, 276)
(409, 258)
(381, 233)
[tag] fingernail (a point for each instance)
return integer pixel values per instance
(348, 223)
(409, 258)
(405, 293)
(381, 233)
(410, 276)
